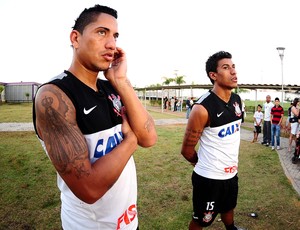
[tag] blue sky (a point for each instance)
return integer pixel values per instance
(159, 37)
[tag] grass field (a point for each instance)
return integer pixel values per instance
(18, 112)
(29, 198)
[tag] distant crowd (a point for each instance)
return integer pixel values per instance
(175, 104)
(271, 118)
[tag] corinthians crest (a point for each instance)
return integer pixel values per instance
(238, 111)
(208, 216)
(116, 103)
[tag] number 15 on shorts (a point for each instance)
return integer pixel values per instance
(210, 206)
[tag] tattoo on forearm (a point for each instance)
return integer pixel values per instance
(128, 82)
(192, 137)
(149, 124)
(67, 148)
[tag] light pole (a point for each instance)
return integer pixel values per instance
(281, 54)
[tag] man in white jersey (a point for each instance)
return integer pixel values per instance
(90, 128)
(215, 122)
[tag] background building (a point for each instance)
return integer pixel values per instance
(19, 91)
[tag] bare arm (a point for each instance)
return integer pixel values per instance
(140, 120)
(68, 151)
(281, 118)
(197, 122)
(295, 111)
(271, 118)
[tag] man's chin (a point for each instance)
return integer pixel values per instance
(104, 67)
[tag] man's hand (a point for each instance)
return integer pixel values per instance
(117, 73)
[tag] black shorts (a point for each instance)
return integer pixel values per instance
(257, 129)
(211, 197)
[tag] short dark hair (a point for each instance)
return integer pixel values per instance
(277, 99)
(212, 62)
(259, 106)
(295, 101)
(90, 15)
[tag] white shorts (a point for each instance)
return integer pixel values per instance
(294, 128)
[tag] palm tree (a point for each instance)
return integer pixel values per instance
(179, 80)
(167, 81)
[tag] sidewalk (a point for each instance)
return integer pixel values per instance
(292, 171)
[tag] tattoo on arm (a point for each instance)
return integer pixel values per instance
(128, 82)
(192, 137)
(67, 147)
(149, 124)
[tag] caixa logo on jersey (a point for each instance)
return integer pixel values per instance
(229, 130)
(105, 145)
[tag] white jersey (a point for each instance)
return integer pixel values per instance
(258, 117)
(99, 119)
(220, 141)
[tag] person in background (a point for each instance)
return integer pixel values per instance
(172, 104)
(268, 105)
(243, 111)
(178, 105)
(90, 128)
(215, 123)
(294, 122)
(188, 105)
(175, 104)
(287, 122)
(296, 156)
(277, 113)
(258, 118)
(166, 102)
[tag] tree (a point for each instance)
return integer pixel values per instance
(1, 90)
(156, 85)
(238, 90)
(27, 95)
(179, 80)
(167, 81)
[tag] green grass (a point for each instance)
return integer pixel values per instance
(22, 112)
(28, 193)
(16, 112)
(29, 197)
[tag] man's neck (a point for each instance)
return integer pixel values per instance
(222, 94)
(89, 78)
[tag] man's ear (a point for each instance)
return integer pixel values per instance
(74, 38)
(213, 76)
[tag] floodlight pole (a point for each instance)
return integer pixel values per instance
(281, 55)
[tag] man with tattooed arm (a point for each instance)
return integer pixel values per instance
(90, 128)
(214, 123)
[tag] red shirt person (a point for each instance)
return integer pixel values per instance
(277, 113)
